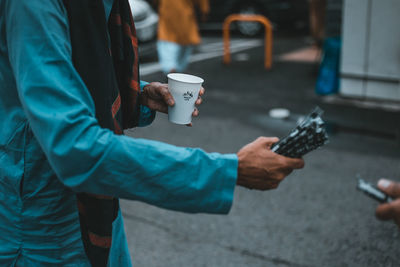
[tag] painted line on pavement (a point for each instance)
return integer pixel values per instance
(236, 46)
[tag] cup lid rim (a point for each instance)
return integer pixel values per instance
(178, 77)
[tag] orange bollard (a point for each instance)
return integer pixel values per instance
(251, 18)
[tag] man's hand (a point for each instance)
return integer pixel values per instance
(389, 211)
(260, 168)
(157, 97)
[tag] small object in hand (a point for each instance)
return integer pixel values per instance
(373, 191)
(309, 135)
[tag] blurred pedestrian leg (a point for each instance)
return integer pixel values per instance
(317, 21)
(173, 57)
(178, 32)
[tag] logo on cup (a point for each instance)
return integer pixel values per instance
(188, 95)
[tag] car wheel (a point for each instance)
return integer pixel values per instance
(249, 29)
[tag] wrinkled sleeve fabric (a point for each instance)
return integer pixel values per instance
(84, 156)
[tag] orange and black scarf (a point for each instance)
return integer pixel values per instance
(105, 54)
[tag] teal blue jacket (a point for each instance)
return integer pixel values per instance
(51, 147)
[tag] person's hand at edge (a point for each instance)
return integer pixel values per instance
(262, 169)
(389, 211)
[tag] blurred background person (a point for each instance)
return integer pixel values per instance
(389, 211)
(178, 32)
(317, 21)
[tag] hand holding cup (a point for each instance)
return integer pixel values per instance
(158, 97)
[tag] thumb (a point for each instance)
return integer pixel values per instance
(166, 95)
(384, 211)
(294, 163)
(389, 187)
(267, 141)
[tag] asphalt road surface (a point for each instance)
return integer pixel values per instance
(316, 217)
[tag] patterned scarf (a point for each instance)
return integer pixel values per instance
(106, 57)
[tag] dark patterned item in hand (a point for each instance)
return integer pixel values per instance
(373, 191)
(307, 136)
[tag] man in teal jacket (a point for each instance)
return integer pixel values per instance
(52, 146)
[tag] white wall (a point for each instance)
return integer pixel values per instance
(370, 59)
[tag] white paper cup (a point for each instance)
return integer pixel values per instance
(185, 89)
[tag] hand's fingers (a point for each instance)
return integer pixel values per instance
(270, 143)
(202, 91)
(289, 162)
(294, 163)
(158, 106)
(162, 108)
(195, 112)
(189, 125)
(167, 97)
(385, 211)
(389, 187)
(397, 221)
(198, 101)
(267, 141)
(261, 185)
(287, 171)
(266, 186)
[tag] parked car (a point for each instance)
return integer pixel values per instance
(282, 14)
(146, 22)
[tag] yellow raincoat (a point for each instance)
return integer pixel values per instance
(178, 22)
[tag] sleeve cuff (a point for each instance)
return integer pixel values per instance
(228, 183)
(147, 115)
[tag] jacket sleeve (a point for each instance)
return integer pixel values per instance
(84, 156)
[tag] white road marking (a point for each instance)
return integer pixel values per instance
(208, 51)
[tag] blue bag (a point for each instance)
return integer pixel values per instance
(328, 76)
